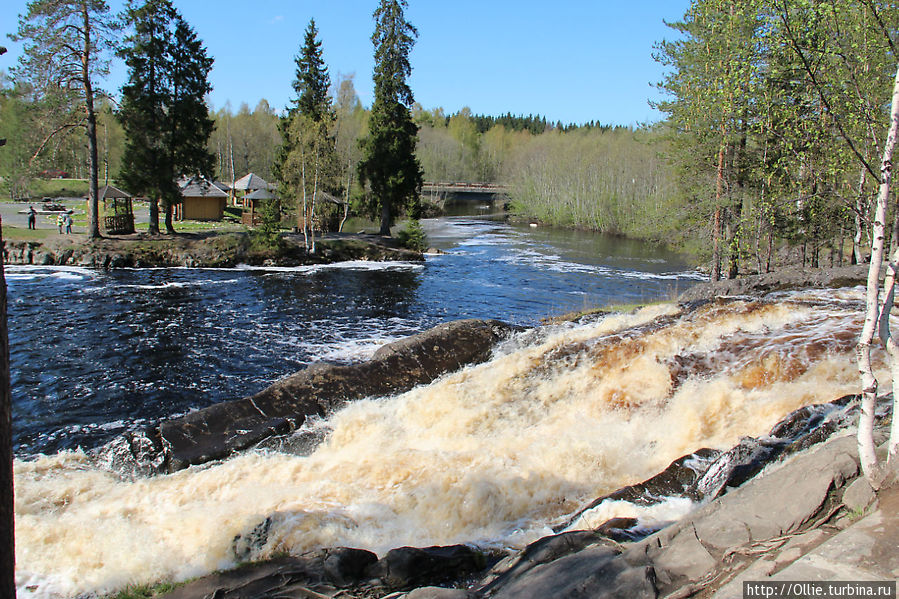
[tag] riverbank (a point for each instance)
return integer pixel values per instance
(201, 250)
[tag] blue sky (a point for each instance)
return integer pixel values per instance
(572, 61)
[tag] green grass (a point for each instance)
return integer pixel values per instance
(19, 234)
(53, 188)
(195, 226)
(144, 591)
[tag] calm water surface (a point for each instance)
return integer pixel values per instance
(98, 352)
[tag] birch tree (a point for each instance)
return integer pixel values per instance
(877, 320)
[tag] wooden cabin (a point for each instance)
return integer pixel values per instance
(202, 200)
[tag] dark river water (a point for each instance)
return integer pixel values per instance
(98, 352)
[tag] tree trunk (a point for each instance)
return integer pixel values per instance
(385, 219)
(153, 227)
(877, 318)
(716, 243)
(314, 194)
(346, 199)
(94, 216)
(169, 226)
(7, 507)
(860, 209)
(303, 222)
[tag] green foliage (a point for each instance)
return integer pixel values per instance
(412, 236)
(389, 166)
(307, 164)
(613, 181)
(64, 54)
(267, 236)
(775, 110)
(247, 139)
(163, 110)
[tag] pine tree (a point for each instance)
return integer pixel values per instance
(163, 112)
(390, 166)
(65, 41)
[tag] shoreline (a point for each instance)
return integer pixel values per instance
(202, 250)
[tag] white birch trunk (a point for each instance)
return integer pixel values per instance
(303, 183)
(877, 317)
(314, 193)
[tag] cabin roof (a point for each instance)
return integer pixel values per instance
(201, 188)
(261, 194)
(250, 182)
(108, 192)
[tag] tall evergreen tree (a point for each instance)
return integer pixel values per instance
(65, 42)
(312, 80)
(307, 162)
(163, 111)
(390, 166)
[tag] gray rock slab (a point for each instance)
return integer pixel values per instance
(858, 495)
(439, 593)
(778, 503)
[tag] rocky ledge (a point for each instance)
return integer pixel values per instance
(224, 428)
(809, 516)
(781, 280)
(194, 250)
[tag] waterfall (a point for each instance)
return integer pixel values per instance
(495, 455)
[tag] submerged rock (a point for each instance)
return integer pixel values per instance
(221, 429)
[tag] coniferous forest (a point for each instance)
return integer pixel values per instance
(772, 116)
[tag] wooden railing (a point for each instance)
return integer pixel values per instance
(119, 224)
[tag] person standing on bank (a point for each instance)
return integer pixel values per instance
(60, 220)
(69, 223)
(32, 217)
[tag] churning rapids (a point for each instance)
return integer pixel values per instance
(495, 455)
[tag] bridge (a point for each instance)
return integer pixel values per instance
(482, 189)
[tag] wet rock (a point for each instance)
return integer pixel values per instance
(345, 566)
(217, 431)
(439, 593)
(592, 572)
(132, 454)
(411, 567)
(783, 279)
(538, 553)
(679, 479)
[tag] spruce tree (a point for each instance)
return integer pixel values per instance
(307, 161)
(163, 110)
(390, 166)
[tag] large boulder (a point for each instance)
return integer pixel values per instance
(218, 430)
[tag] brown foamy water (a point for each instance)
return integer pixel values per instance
(493, 455)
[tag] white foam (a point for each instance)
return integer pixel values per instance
(358, 265)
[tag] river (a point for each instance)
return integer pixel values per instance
(98, 352)
(496, 455)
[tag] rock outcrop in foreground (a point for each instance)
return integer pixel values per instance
(809, 516)
(221, 429)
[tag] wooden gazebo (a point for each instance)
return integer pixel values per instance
(251, 217)
(246, 185)
(118, 211)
